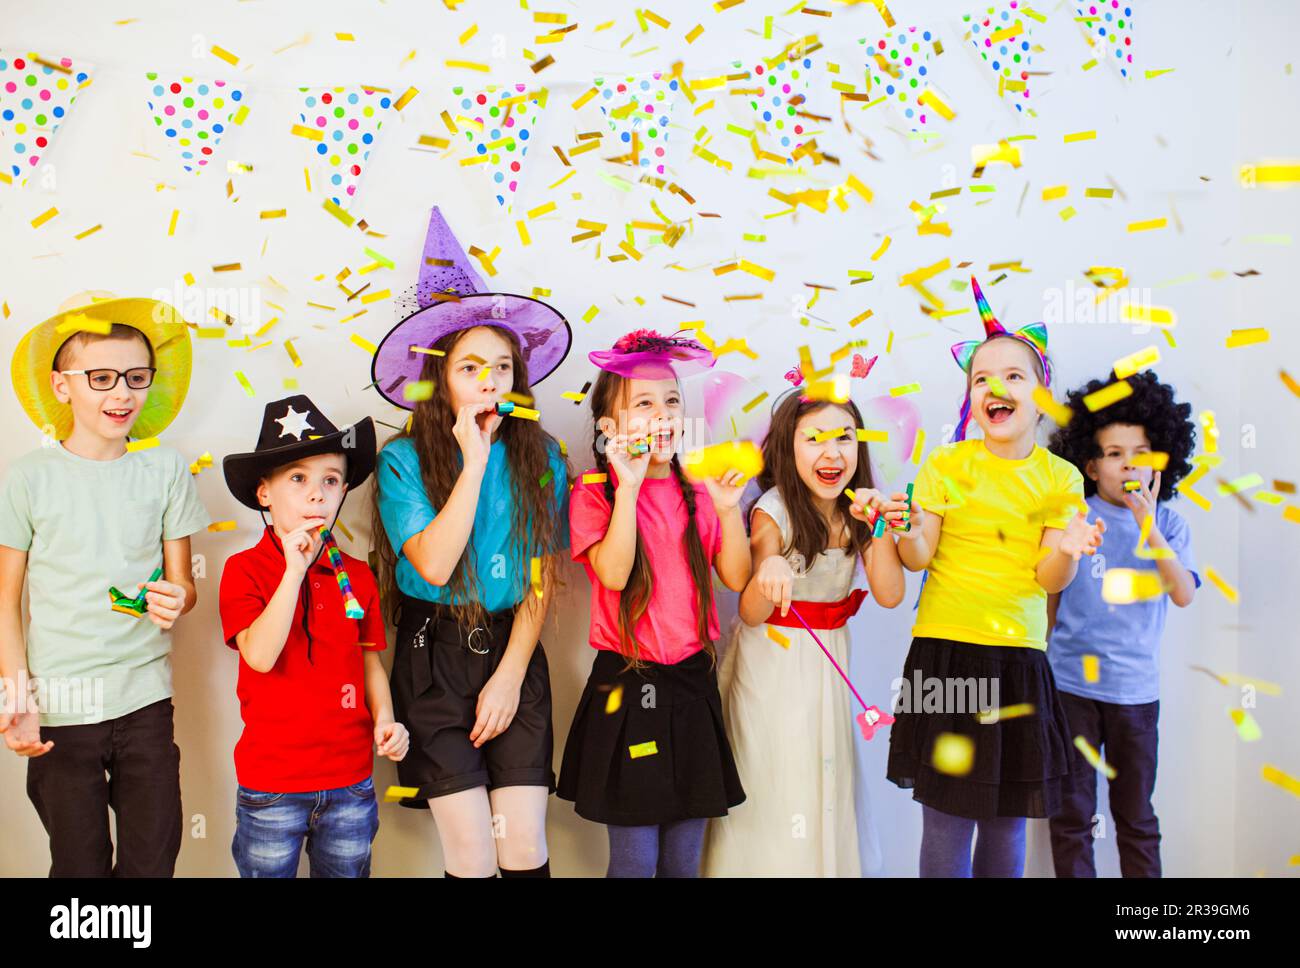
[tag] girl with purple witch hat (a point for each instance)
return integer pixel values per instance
(647, 754)
(470, 507)
(997, 527)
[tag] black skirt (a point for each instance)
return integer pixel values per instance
(661, 756)
(439, 668)
(1021, 765)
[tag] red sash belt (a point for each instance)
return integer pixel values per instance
(821, 615)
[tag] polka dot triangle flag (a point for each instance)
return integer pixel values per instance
(35, 98)
(497, 124)
(341, 124)
(1109, 24)
(779, 99)
(640, 106)
(1002, 36)
(899, 66)
(194, 115)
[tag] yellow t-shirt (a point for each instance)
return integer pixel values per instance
(981, 586)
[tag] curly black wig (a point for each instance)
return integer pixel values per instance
(1151, 406)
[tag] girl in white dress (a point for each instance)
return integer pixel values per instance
(788, 712)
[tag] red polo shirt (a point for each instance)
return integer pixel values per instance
(306, 725)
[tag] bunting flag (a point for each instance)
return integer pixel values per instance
(342, 124)
(779, 101)
(497, 124)
(638, 110)
(898, 65)
(1002, 37)
(35, 97)
(1109, 28)
(194, 115)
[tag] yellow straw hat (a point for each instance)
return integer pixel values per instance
(161, 323)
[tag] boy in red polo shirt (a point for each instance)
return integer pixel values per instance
(307, 623)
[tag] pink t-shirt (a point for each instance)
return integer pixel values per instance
(667, 631)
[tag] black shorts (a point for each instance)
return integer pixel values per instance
(439, 669)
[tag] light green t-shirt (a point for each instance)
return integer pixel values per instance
(85, 525)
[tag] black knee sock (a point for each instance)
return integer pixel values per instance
(543, 871)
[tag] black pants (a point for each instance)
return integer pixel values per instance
(1127, 736)
(131, 764)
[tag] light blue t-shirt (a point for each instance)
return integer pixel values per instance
(1125, 638)
(502, 568)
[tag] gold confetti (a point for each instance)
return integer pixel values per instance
(1246, 337)
(364, 343)
(1148, 225)
(1290, 382)
(594, 478)
(225, 55)
(395, 793)
(1272, 774)
(243, 382)
(1156, 315)
(1058, 412)
(1107, 395)
(407, 96)
(643, 749)
(1247, 728)
(147, 444)
(694, 33)
(90, 231)
(953, 754)
(311, 134)
(44, 217)
(338, 213)
(467, 65)
(223, 526)
(1094, 758)
(1156, 460)
(1127, 366)
(1080, 136)
(1018, 711)
(614, 700)
(1124, 586)
(1091, 668)
(273, 213)
(904, 389)
(1228, 591)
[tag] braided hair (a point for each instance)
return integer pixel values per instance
(633, 601)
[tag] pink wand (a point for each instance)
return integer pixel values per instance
(871, 715)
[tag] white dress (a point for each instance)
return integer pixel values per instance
(789, 716)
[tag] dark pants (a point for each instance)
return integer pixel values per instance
(130, 764)
(1127, 737)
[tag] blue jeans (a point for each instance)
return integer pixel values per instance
(1128, 734)
(338, 825)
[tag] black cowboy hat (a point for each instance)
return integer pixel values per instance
(310, 433)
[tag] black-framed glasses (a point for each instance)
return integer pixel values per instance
(137, 378)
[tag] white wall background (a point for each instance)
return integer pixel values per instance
(1171, 144)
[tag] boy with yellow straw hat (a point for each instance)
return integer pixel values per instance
(89, 685)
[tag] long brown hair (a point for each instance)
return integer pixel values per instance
(535, 515)
(608, 397)
(809, 533)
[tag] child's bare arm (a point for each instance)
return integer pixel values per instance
(22, 729)
(772, 580)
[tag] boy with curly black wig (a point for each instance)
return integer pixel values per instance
(1106, 657)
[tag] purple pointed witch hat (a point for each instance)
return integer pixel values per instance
(450, 297)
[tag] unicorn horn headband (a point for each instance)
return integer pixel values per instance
(1033, 335)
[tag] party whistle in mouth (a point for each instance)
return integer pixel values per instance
(507, 409)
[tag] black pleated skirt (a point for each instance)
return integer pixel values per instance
(1021, 765)
(614, 775)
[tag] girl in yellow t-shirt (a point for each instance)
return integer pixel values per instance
(981, 737)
